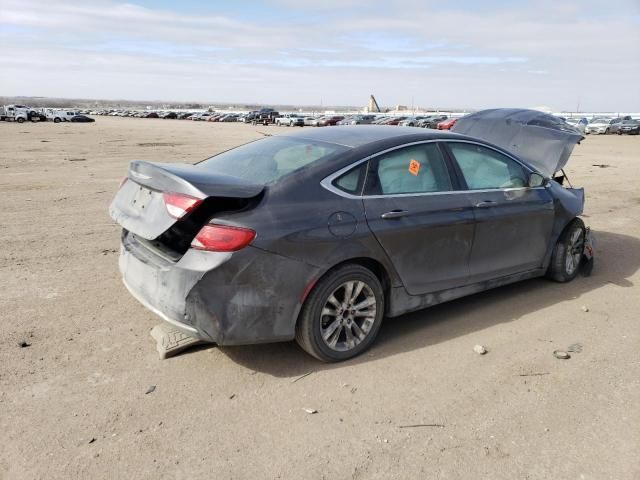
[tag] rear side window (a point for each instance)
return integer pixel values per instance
(269, 159)
(484, 168)
(414, 169)
(351, 182)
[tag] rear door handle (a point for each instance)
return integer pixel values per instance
(394, 214)
(486, 204)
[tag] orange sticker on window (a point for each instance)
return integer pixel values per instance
(414, 167)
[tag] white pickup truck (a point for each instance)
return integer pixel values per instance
(290, 120)
(58, 115)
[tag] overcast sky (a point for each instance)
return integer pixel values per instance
(468, 54)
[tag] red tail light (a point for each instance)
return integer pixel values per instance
(179, 205)
(222, 238)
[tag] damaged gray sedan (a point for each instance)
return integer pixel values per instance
(320, 234)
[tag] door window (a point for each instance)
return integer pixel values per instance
(415, 169)
(484, 168)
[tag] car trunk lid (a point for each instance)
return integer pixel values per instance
(140, 206)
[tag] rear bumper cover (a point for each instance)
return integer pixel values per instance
(250, 296)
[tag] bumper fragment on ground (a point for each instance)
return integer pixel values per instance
(170, 341)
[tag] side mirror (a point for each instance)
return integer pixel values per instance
(537, 180)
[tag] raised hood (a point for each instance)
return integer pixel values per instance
(540, 139)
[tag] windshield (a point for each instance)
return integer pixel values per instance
(269, 159)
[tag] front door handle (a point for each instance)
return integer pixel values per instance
(486, 204)
(394, 214)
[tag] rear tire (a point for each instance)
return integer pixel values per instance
(56, 120)
(342, 315)
(567, 254)
(20, 120)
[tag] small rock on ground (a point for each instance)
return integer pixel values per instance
(479, 349)
(561, 354)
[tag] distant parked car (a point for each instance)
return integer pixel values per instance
(393, 120)
(310, 121)
(601, 126)
(81, 119)
(60, 115)
(411, 121)
(615, 126)
(290, 120)
(629, 127)
(151, 115)
(579, 124)
(432, 121)
(170, 115)
(265, 116)
(447, 124)
(363, 119)
(329, 120)
(231, 117)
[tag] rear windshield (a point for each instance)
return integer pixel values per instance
(269, 159)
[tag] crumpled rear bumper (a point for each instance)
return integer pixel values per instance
(244, 297)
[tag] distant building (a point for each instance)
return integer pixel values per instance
(372, 105)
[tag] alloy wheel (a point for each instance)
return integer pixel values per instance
(574, 251)
(348, 315)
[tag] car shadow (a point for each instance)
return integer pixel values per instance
(617, 259)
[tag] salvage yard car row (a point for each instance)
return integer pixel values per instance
(598, 124)
(268, 116)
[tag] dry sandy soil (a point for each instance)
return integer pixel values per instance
(73, 403)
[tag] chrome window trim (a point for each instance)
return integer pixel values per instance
(327, 182)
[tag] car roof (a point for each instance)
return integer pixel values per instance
(358, 135)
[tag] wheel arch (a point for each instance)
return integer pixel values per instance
(371, 264)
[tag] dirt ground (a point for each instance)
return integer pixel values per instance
(73, 404)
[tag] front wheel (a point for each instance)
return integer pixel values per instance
(56, 120)
(20, 120)
(567, 254)
(342, 315)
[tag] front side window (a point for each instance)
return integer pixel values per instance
(414, 169)
(484, 168)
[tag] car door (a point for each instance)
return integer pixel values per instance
(424, 224)
(513, 221)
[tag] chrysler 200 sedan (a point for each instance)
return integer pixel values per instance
(320, 234)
